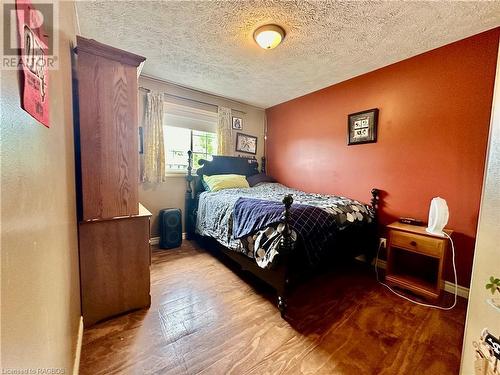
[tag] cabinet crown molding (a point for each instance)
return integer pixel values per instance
(95, 48)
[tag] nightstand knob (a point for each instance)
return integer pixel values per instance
(413, 243)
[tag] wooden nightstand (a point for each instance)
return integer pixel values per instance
(415, 259)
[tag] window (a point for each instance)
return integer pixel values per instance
(178, 141)
(204, 145)
(185, 129)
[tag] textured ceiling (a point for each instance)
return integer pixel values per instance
(208, 45)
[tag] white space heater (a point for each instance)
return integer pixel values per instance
(438, 216)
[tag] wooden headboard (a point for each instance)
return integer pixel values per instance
(228, 165)
(247, 166)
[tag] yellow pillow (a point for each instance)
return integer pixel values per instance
(225, 181)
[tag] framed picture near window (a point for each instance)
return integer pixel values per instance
(246, 143)
(362, 127)
(237, 123)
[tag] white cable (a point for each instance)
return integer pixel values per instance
(420, 303)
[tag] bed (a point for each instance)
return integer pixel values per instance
(280, 235)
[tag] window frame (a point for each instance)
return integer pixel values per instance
(177, 172)
(193, 118)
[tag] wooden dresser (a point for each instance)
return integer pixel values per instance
(113, 226)
(114, 265)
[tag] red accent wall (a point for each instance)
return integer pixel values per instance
(432, 137)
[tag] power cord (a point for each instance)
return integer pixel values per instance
(420, 303)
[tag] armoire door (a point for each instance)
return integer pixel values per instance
(107, 90)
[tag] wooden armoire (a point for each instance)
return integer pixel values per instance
(113, 227)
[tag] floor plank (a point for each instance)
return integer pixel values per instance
(206, 319)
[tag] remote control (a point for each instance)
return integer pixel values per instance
(410, 221)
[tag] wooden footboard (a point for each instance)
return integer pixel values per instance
(287, 244)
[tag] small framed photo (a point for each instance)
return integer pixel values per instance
(237, 123)
(362, 127)
(246, 143)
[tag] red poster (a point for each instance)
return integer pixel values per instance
(33, 43)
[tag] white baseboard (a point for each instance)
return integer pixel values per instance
(462, 291)
(78, 350)
(156, 240)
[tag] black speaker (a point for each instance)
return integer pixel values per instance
(170, 228)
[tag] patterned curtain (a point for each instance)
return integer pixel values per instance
(154, 149)
(224, 132)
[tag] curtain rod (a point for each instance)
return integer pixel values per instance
(192, 100)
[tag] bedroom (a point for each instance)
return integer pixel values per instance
(78, 292)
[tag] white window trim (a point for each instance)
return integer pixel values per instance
(189, 118)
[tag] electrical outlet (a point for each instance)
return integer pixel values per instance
(382, 242)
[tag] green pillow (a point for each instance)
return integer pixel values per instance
(225, 181)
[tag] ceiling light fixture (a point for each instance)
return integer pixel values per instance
(269, 36)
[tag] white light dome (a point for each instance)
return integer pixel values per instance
(269, 36)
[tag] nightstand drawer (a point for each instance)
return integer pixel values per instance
(421, 244)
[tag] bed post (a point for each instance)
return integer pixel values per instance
(373, 242)
(374, 202)
(189, 176)
(189, 201)
(263, 165)
(286, 246)
(286, 240)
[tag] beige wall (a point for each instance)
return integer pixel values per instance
(480, 314)
(170, 194)
(40, 297)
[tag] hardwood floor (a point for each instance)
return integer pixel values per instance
(206, 319)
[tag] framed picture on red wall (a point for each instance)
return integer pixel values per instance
(362, 127)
